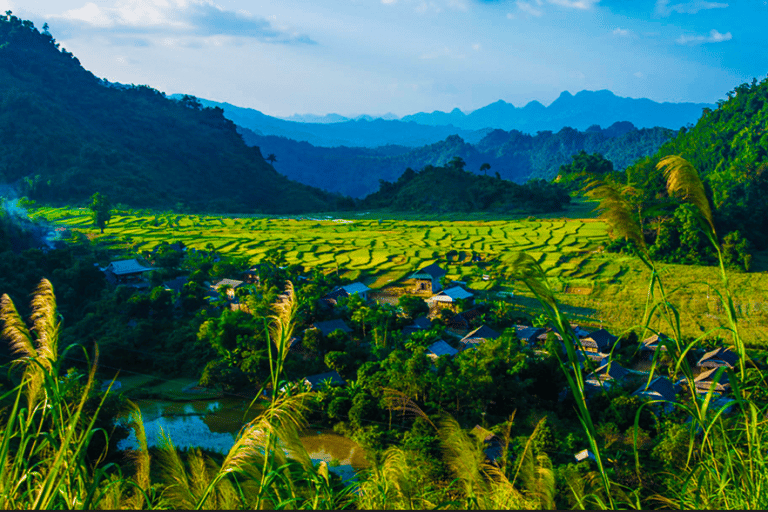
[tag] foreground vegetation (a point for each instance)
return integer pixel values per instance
(705, 454)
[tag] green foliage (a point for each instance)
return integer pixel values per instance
(413, 306)
(451, 188)
(729, 148)
(66, 143)
(513, 155)
(583, 168)
(102, 210)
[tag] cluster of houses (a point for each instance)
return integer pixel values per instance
(596, 346)
(133, 273)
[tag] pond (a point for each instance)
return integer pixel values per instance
(213, 425)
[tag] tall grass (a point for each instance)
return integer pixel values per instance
(44, 439)
(44, 436)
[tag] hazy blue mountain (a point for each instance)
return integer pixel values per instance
(516, 156)
(578, 111)
(314, 118)
(363, 131)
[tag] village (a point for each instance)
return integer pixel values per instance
(449, 320)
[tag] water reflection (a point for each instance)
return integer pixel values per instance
(213, 425)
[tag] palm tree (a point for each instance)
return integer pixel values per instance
(271, 158)
(485, 168)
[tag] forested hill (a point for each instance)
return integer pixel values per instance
(729, 148)
(514, 155)
(450, 189)
(66, 134)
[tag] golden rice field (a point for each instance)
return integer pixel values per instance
(597, 287)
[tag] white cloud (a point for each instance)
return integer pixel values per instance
(6, 5)
(388, 1)
(529, 9)
(621, 32)
(575, 4)
(476, 47)
(663, 7)
(639, 74)
(713, 37)
(172, 20)
(537, 8)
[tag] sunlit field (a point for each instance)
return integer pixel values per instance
(381, 249)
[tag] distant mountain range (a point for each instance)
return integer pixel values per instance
(362, 132)
(581, 111)
(516, 156)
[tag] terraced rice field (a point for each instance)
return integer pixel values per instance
(597, 288)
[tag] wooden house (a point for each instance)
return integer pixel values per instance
(428, 278)
(477, 337)
(706, 380)
(357, 289)
(579, 331)
(330, 326)
(717, 358)
(600, 341)
(176, 285)
(125, 271)
(421, 323)
(440, 348)
(451, 295)
(605, 376)
(330, 299)
(660, 388)
(650, 345)
(530, 335)
(231, 284)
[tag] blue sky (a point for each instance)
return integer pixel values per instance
(404, 56)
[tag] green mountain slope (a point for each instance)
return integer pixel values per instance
(450, 188)
(66, 134)
(729, 147)
(514, 155)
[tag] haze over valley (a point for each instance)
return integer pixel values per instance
(260, 292)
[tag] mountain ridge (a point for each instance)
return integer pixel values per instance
(579, 111)
(356, 171)
(67, 134)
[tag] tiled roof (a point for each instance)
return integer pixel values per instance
(355, 288)
(483, 332)
(528, 334)
(713, 357)
(658, 388)
(232, 283)
(454, 294)
(123, 267)
(329, 326)
(610, 371)
(441, 348)
(601, 338)
(176, 284)
(432, 271)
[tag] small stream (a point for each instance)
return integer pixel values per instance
(213, 425)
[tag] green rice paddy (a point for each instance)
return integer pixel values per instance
(597, 288)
